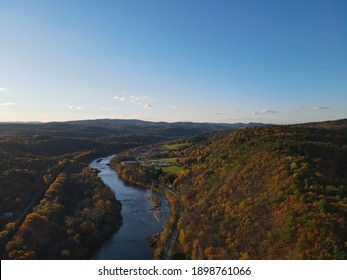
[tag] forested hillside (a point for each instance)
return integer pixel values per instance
(77, 213)
(276, 192)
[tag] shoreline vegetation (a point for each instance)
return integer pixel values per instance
(135, 174)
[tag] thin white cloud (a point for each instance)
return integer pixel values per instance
(318, 108)
(139, 100)
(264, 112)
(135, 98)
(76, 108)
(147, 106)
(106, 108)
(312, 108)
(8, 104)
(121, 98)
(4, 89)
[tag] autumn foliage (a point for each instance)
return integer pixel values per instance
(75, 215)
(278, 192)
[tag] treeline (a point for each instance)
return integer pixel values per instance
(77, 213)
(133, 173)
(276, 192)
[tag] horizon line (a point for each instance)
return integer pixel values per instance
(162, 121)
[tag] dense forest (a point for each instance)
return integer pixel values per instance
(77, 213)
(276, 192)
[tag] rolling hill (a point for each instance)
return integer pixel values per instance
(277, 192)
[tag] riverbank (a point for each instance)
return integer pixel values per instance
(137, 174)
(140, 220)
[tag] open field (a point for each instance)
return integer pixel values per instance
(170, 169)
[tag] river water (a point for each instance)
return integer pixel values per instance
(139, 220)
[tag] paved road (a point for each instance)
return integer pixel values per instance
(31, 205)
(174, 234)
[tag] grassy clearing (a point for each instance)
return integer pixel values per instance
(173, 146)
(170, 169)
(170, 159)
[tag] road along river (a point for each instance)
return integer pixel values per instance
(139, 220)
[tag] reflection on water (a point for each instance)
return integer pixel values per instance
(139, 220)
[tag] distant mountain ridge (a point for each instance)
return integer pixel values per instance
(105, 127)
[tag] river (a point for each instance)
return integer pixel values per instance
(139, 220)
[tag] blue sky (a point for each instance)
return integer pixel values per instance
(205, 61)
